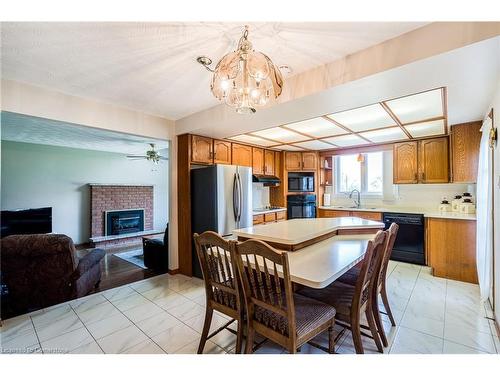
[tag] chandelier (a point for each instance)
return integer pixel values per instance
(244, 79)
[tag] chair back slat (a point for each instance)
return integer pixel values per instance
(269, 297)
(366, 279)
(218, 268)
(392, 232)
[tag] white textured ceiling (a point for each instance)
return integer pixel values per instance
(151, 67)
(28, 129)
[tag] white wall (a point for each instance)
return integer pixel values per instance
(40, 176)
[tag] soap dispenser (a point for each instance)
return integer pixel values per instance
(445, 206)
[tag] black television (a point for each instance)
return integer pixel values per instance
(29, 221)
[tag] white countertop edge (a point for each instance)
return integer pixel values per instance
(307, 237)
(426, 213)
(268, 211)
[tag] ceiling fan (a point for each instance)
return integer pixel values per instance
(151, 155)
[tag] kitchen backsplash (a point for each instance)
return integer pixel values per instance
(260, 195)
(417, 195)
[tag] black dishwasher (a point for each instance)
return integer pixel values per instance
(409, 245)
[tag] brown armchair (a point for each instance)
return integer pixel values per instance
(41, 270)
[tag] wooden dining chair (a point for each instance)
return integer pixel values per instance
(273, 310)
(221, 284)
(353, 274)
(351, 301)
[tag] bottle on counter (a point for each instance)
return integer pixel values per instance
(455, 203)
(467, 207)
(445, 206)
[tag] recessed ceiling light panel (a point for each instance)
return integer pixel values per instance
(364, 118)
(385, 135)
(316, 127)
(245, 138)
(287, 148)
(280, 135)
(426, 129)
(418, 107)
(315, 145)
(347, 140)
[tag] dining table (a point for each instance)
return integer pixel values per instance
(317, 253)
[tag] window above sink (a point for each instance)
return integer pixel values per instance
(363, 172)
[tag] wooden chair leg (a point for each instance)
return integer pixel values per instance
(385, 300)
(331, 339)
(249, 342)
(239, 336)
(378, 322)
(373, 328)
(356, 336)
(206, 327)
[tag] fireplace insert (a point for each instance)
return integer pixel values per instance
(124, 221)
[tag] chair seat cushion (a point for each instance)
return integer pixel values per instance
(337, 295)
(309, 315)
(350, 277)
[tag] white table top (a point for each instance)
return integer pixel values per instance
(318, 265)
(296, 231)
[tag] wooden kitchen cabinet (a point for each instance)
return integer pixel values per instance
(424, 161)
(451, 248)
(465, 140)
(269, 163)
(309, 161)
(280, 215)
(405, 163)
(222, 152)
(301, 161)
(242, 155)
(257, 160)
(258, 219)
(434, 160)
(269, 217)
(376, 216)
(332, 213)
(201, 149)
(293, 161)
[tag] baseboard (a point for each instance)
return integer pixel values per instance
(174, 272)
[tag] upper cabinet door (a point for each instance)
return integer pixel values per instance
(465, 140)
(293, 161)
(222, 152)
(269, 164)
(201, 149)
(242, 155)
(405, 163)
(433, 160)
(258, 160)
(309, 161)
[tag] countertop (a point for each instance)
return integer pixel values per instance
(297, 231)
(267, 211)
(411, 210)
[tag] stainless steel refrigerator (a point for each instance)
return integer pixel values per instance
(221, 200)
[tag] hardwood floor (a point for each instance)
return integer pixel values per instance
(116, 271)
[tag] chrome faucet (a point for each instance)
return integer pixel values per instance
(357, 202)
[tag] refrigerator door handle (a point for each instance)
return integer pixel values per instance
(235, 197)
(240, 197)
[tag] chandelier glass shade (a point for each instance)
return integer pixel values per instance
(245, 79)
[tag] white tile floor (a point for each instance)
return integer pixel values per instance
(165, 314)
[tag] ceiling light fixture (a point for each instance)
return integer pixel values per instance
(244, 79)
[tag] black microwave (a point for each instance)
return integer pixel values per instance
(301, 182)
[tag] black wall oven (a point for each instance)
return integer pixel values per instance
(301, 182)
(301, 206)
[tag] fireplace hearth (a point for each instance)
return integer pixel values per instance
(124, 221)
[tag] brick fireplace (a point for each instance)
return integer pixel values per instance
(106, 198)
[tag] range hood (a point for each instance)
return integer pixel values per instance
(266, 180)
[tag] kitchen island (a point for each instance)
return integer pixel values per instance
(296, 234)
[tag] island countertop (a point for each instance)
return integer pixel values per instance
(296, 233)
